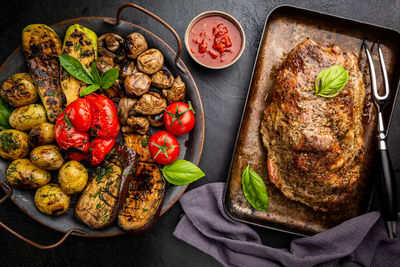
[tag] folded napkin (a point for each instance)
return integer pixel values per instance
(361, 241)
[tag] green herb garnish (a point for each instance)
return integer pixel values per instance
(8, 141)
(145, 141)
(5, 112)
(331, 81)
(181, 172)
(254, 189)
(93, 78)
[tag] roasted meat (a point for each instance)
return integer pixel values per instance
(315, 144)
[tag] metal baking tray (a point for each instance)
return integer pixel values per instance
(286, 26)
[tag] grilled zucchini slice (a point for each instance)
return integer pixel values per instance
(42, 47)
(80, 43)
(145, 197)
(139, 143)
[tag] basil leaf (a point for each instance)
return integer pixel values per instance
(95, 73)
(90, 89)
(254, 189)
(76, 69)
(109, 77)
(331, 81)
(181, 172)
(5, 112)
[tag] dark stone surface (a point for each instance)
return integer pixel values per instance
(223, 93)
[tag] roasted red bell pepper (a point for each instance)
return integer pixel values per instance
(104, 117)
(80, 114)
(94, 114)
(67, 137)
(99, 148)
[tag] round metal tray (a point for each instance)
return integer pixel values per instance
(191, 144)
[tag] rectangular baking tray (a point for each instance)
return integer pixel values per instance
(285, 27)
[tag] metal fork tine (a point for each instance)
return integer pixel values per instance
(371, 71)
(384, 74)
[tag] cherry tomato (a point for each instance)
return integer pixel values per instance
(179, 118)
(164, 147)
(80, 115)
(99, 148)
(105, 119)
(67, 137)
(213, 54)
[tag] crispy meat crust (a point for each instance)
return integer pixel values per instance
(315, 144)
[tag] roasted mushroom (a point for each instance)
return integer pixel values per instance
(137, 84)
(127, 68)
(150, 104)
(125, 107)
(156, 120)
(135, 45)
(103, 64)
(116, 91)
(111, 45)
(162, 79)
(139, 125)
(150, 61)
(176, 92)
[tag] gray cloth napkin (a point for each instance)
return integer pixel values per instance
(361, 241)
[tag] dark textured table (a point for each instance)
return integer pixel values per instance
(223, 93)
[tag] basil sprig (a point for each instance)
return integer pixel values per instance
(93, 78)
(181, 172)
(254, 190)
(331, 81)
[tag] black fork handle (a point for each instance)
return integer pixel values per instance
(387, 184)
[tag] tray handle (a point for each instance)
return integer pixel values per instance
(8, 190)
(154, 16)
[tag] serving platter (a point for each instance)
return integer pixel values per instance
(285, 27)
(191, 144)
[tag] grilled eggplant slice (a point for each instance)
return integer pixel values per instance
(139, 143)
(101, 200)
(143, 204)
(80, 43)
(42, 47)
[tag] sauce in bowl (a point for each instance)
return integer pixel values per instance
(214, 41)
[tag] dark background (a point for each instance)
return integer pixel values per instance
(223, 94)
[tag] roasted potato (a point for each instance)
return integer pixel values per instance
(13, 144)
(22, 173)
(72, 177)
(19, 90)
(162, 79)
(135, 45)
(51, 200)
(42, 134)
(47, 157)
(150, 61)
(27, 117)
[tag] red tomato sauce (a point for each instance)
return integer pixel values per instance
(215, 41)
